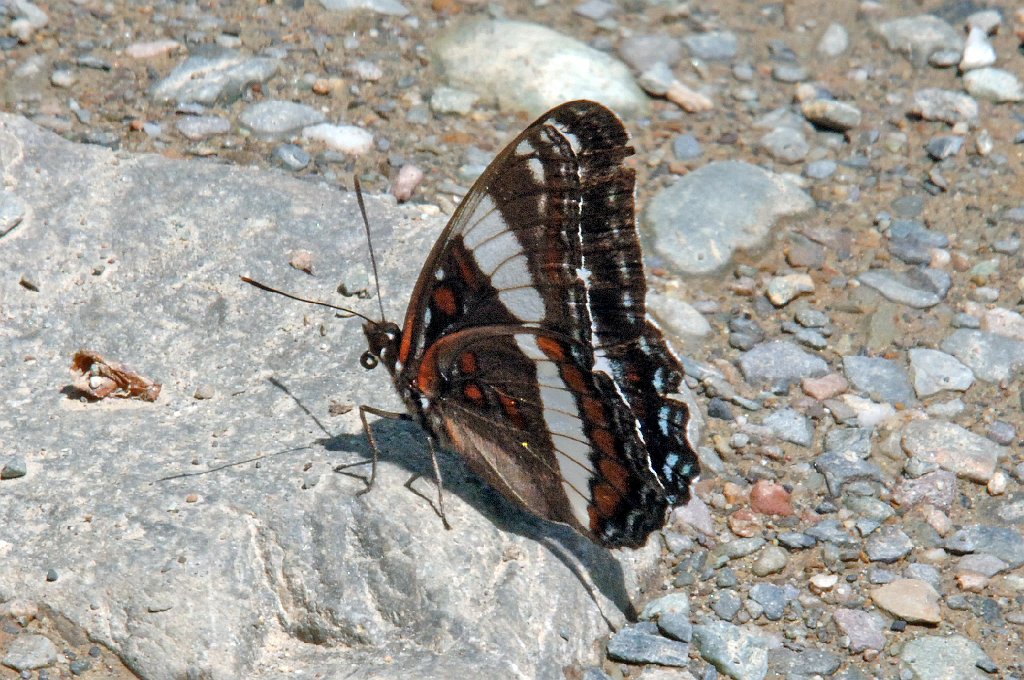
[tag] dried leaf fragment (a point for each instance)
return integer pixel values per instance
(97, 378)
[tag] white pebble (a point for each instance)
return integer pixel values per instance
(344, 138)
(978, 51)
(983, 143)
(997, 484)
(148, 50)
(409, 177)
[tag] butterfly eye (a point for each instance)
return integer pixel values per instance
(368, 361)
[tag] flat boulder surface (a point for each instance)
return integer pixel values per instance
(275, 563)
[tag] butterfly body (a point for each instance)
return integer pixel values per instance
(526, 347)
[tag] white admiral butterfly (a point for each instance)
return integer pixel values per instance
(526, 346)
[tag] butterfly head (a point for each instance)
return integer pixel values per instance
(382, 338)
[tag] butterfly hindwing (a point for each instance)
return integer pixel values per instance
(532, 418)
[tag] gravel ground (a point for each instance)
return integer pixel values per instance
(861, 509)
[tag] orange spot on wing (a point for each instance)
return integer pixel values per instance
(406, 347)
(468, 363)
(574, 379)
(552, 348)
(444, 300)
(616, 474)
(594, 411)
(468, 273)
(428, 377)
(473, 393)
(605, 442)
(512, 411)
(606, 503)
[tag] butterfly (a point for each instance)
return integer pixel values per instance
(526, 346)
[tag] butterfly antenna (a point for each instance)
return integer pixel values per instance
(263, 286)
(369, 242)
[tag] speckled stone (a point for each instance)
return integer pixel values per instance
(1005, 543)
(641, 643)
(948, 106)
(780, 362)
(673, 603)
(935, 488)
(28, 652)
(934, 371)
(772, 598)
(920, 288)
(990, 357)
(726, 604)
(842, 467)
(785, 145)
(888, 545)
(734, 651)
(865, 630)
(952, 448)
(918, 37)
(791, 426)
(882, 379)
(940, 657)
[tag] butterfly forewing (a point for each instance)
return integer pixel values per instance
(513, 251)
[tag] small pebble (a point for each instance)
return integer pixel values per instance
(784, 289)
(449, 100)
(713, 46)
(28, 652)
(821, 169)
(832, 114)
(291, 156)
(686, 147)
(785, 145)
(408, 179)
(204, 391)
(148, 50)
(834, 41)
(201, 127)
(978, 51)
(347, 139)
(911, 600)
(594, 9)
(993, 84)
(944, 146)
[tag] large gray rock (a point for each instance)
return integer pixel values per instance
(242, 571)
(528, 67)
(696, 223)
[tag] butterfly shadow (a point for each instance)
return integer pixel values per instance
(595, 567)
(403, 443)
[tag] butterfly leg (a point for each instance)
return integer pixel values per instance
(440, 486)
(363, 410)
